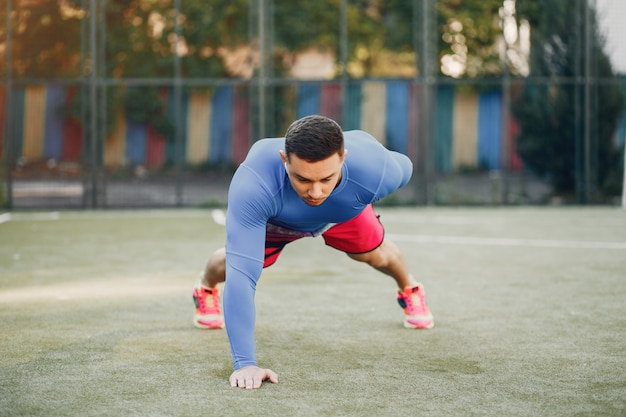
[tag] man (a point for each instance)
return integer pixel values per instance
(316, 181)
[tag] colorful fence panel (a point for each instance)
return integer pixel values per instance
(216, 125)
(199, 122)
(3, 102)
(222, 125)
(397, 121)
(443, 132)
(465, 131)
(489, 129)
(53, 133)
(16, 113)
(115, 144)
(241, 126)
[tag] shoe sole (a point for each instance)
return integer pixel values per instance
(210, 325)
(421, 326)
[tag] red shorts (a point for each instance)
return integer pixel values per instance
(362, 234)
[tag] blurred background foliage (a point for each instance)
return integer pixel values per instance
(530, 41)
(143, 36)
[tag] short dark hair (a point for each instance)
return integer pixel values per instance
(314, 138)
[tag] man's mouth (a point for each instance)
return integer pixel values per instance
(313, 202)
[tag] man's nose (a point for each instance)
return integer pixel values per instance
(315, 191)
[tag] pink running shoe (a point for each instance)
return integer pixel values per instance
(413, 301)
(208, 313)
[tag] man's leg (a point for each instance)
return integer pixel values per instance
(363, 239)
(388, 259)
(215, 270)
(206, 295)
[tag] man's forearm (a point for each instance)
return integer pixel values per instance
(240, 316)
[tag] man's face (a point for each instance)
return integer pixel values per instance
(314, 181)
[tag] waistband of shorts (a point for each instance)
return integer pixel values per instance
(274, 228)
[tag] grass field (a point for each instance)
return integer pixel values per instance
(529, 305)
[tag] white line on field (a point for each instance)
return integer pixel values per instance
(5, 217)
(451, 220)
(43, 216)
(489, 241)
(219, 217)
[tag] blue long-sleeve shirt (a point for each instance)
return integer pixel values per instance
(260, 193)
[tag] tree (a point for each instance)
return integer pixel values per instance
(141, 35)
(470, 30)
(45, 39)
(550, 111)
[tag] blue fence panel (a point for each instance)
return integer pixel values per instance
(53, 133)
(309, 96)
(397, 120)
(489, 129)
(222, 124)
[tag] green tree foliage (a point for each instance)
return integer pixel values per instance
(469, 30)
(551, 115)
(210, 30)
(45, 39)
(301, 25)
(141, 38)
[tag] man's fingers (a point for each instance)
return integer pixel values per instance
(251, 383)
(238, 382)
(272, 376)
(252, 378)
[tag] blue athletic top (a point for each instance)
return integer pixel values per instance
(260, 193)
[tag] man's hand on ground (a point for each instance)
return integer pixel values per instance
(251, 377)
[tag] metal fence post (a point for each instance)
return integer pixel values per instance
(589, 189)
(262, 70)
(93, 102)
(578, 97)
(178, 154)
(103, 103)
(8, 119)
(427, 104)
(343, 59)
(506, 119)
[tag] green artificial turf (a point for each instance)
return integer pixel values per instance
(529, 306)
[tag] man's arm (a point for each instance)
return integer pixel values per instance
(377, 169)
(239, 314)
(248, 211)
(397, 171)
(239, 310)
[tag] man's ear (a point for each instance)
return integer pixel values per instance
(343, 157)
(283, 156)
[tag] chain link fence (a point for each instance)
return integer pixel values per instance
(111, 104)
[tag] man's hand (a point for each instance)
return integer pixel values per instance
(251, 377)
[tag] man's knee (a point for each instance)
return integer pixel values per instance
(376, 258)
